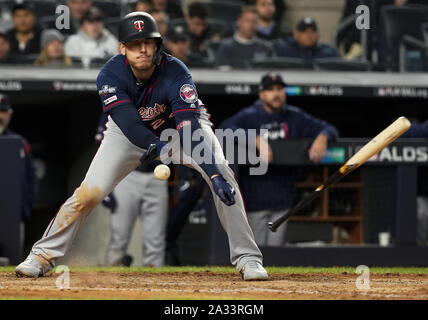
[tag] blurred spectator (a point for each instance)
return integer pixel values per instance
(198, 27)
(280, 6)
(349, 38)
(304, 44)
(53, 51)
(4, 49)
(239, 50)
(77, 9)
(268, 28)
(28, 173)
(142, 5)
(268, 196)
(5, 18)
(177, 43)
(162, 21)
(92, 41)
(25, 36)
(172, 9)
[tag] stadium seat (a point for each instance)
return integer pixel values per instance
(278, 63)
(47, 22)
(347, 34)
(110, 9)
(225, 29)
(396, 23)
(339, 64)
(224, 10)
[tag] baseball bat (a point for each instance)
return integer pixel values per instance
(384, 138)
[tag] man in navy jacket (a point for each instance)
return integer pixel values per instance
(28, 171)
(268, 196)
(304, 44)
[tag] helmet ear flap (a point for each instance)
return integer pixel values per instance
(159, 50)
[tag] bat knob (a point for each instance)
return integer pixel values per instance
(271, 227)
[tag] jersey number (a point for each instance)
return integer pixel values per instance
(157, 123)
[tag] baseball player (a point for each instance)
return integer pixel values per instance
(27, 169)
(144, 91)
(284, 122)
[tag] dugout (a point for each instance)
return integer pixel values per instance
(58, 111)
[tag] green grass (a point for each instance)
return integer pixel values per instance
(221, 269)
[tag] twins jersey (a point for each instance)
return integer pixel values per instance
(168, 91)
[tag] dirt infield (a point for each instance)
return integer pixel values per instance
(212, 285)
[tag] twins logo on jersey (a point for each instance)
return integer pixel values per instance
(149, 113)
(188, 93)
(106, 89)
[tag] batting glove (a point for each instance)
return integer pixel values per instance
(154, 151)
(110, 202)
(224, 190)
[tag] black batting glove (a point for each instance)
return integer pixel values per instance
(110, 202)
(154, 151)
(224, 190)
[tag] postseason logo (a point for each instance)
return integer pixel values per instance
(188, 93)
(105, 90)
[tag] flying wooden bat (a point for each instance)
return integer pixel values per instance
(388, 135)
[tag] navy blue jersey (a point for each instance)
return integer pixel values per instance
(28, 177)
(168, 91)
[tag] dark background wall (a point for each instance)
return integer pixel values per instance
(60, 128)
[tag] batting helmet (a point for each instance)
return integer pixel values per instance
(140, 25)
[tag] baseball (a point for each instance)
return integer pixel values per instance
(162, 172)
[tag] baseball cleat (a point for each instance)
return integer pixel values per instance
(253, 270)
(33, 267)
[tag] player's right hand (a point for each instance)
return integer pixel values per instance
(154, 151)
(110, 202)
(224, 190)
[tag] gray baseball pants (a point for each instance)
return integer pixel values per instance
(114, 160)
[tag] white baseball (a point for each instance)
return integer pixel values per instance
(162, 172)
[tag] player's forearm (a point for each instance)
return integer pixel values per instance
(188, 121)
(130, 123)
(330, 132)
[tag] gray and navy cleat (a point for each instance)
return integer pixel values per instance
(253, 270)
(34, 266)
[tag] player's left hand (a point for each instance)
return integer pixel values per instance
(318, 148)
(224, 190)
